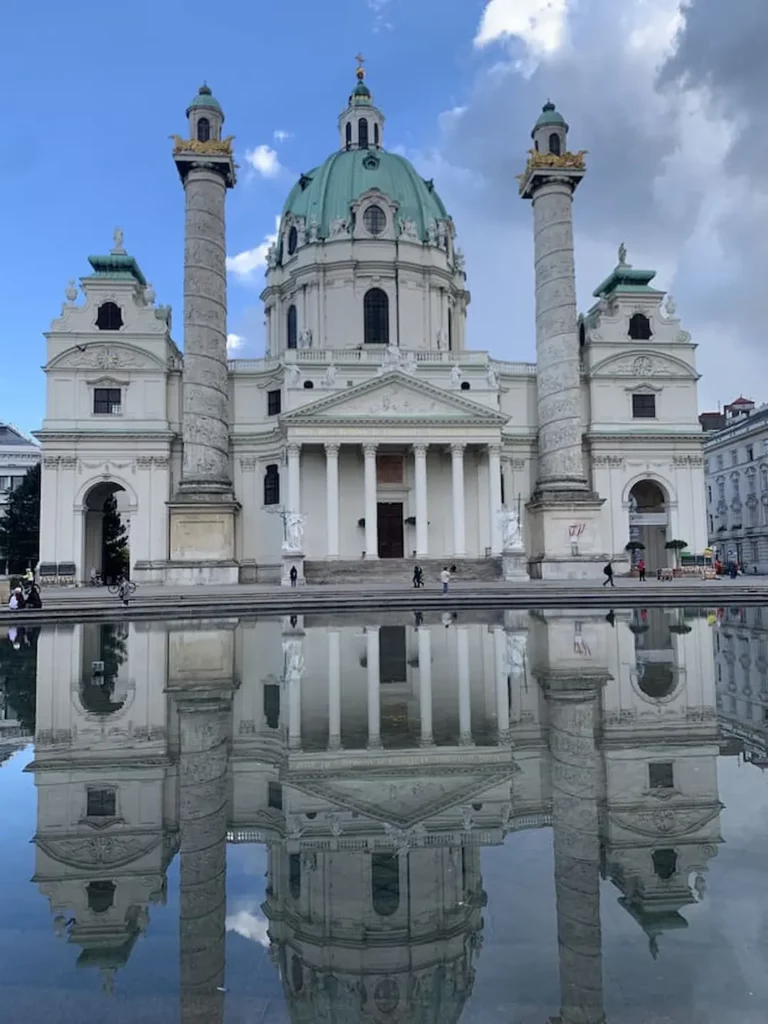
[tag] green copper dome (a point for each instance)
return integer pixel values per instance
(326, 194)
(549, 116)
(205, 98)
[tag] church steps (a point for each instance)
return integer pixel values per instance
(399, 569)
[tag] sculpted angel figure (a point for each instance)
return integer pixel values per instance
(294, 531)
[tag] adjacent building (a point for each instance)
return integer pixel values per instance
(18, 454)
(736, 480)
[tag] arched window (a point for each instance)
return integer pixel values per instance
(582, 335)
(376, 136)
(385, 883)
(639, 327)
(109, 317)
(292, 332)
(362, 133)
(294, 875)
(450, 330)
(376, 317)
(293, 240)
(374, 220)
(297, 974)
(664, 863)
(348, 134)
(203, 129)
(554, 144)
(272, 485)
(536, 147)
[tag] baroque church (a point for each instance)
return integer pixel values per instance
(368, 433)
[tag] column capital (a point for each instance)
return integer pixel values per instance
(457, 448)
(369, 449)
(294, 448)
(332, 449)
(494, 450)
(420, 449)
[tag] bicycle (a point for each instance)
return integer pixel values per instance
(114, 587)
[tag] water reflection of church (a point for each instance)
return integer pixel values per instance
(374, 761)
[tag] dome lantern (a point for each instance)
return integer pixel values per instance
(361, 125)
(550, 133)
(205, 116)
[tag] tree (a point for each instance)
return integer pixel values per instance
(18, 675)
(20, 526)
(114, 542)
(676, 547)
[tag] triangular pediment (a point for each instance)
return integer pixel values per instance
(405, 801)
(398, 397)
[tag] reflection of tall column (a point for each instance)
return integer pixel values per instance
(334, 689)
(374, 709)
(502, 687)
(425, 685)
(371, 524)
(571, 704)
(465, 710)
(204, 730)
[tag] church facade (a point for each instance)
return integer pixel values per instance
(368, 433)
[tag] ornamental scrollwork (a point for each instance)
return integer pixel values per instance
(213, 147)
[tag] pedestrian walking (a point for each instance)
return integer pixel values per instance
(418, 576)
(641, 570)
(294, 575)
(608, 570)
(445, 579)
(124, 591)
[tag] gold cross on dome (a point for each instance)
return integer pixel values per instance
(360, 59)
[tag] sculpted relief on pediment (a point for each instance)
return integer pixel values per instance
(105, 357)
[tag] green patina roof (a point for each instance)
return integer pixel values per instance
(549, 116)
(118, 266)
(326, 193)
(205, 98)
(624, 278)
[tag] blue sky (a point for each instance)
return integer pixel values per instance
(95, 91)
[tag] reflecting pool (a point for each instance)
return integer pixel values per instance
(477, 817)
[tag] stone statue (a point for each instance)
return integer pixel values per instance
(622, 255)
(305, 338)
(516, 645)
(669, 306)
(409, 363)
(294, 532)
(118, 239)
(432, 232)
(491, 376)
(272, 256)
(459, 262)
(339, 228)
(71, 292)
(455, 375)
(442, 235)
(442, 338)
(329, 380)
(392, 359)
(408, 230)
(511, 531)
(150, 295)
(314, 229)
(301, 232)
(292, 376)
(293, 658)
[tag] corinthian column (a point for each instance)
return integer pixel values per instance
(420, 474)
(204, 736)
(571, 707)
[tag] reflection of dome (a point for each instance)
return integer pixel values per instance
(656, 679)
(326, 193)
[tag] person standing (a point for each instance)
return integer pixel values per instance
(641, 570)
(608, 570)
(418, 576)
(294, 575)
(445, 579)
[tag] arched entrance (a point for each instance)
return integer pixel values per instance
(648, 523)
(104, 668)
(106, 534)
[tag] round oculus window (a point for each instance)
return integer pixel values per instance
(374, 220)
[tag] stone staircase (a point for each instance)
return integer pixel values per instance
(400, 570)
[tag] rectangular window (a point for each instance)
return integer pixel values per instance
(711, 525)
(272, 486)
(275, 796)
(101, 803)
(660, 775)
(755, 551)
(750, 453)
(107, 401)
(5, 483)
(643, 407)
(272, 705)
(709, 494)
(274, 403)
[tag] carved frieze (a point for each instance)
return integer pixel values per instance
(688, 460)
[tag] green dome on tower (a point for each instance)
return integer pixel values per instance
(549, 116)
(327, 193)
(205, 98)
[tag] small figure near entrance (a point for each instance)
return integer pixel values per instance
(418, 576)
(445, 578)
(641, 570)
(608, 571)
(294, 575)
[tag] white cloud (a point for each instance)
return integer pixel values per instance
(379, 9)
(234, 342)
(540, 24)
(250, 925)
(245, 264)
(280, 135)
(264, 160)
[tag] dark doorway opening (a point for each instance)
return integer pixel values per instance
(390, 529)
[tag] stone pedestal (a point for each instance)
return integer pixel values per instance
(202, 543)
(514, 566)
(565, 538)
(290, 559)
